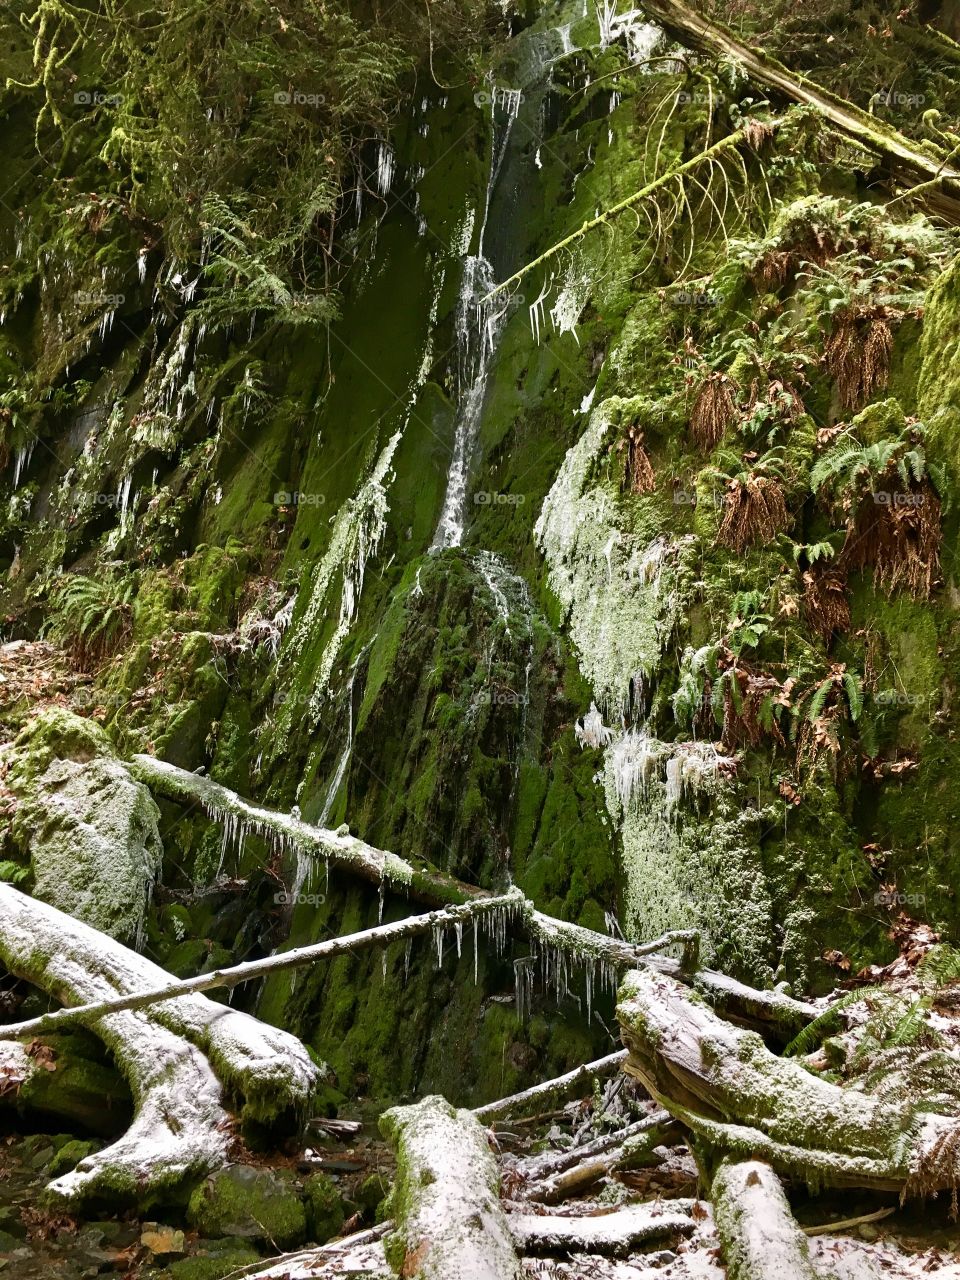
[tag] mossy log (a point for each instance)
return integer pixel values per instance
(173, 988)
(450, 1224)
(549, 1091)
(760, 1235)
(176, 1057)
(64, 1079)
(741, 1099)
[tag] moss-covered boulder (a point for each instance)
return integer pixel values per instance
(254, 1204)
(74, 1084)
(89, 829)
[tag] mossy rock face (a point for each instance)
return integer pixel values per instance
(325, 1212)
(254, 1204)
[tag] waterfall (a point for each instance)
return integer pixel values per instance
(480, 324)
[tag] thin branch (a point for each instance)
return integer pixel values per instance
(380, 936)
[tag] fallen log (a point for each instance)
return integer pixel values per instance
(449, 1222)
(760, 1235)
(551, 1089)
(616, 1234)
(907, 162)
(739, 1098)
(553, 937)
(176, 1058)
(536, 1168)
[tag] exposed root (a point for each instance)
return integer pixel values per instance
(181, 1127)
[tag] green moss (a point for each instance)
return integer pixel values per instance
(253, 1203)
(325, 1211)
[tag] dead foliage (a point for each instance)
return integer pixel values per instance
(857, 354)
(639, 475)
(826, 608)
(756, 133)
(897, 533)
(754, 511)
(778, 266)
(748, 701)
(714, 408)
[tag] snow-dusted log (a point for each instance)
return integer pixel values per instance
(534, 1098)
(741, 1099)
(357, 1255)
(616, 1234)
(351, 943)
(449, 1223)
(760, 1235)
(169, 1055)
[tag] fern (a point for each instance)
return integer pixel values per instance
(93, 615)
(815, 1032)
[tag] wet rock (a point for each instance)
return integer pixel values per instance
(212, 1260)
(254, 1204)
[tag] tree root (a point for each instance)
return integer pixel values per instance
(171, 1055)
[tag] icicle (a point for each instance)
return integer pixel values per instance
(406, 958)
(458, 931)
(438, 940)
(476, 952)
